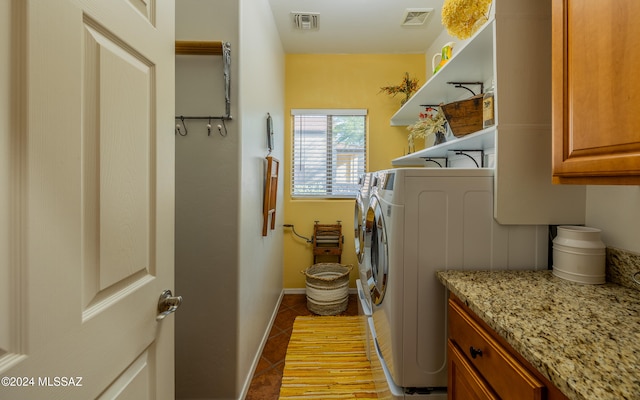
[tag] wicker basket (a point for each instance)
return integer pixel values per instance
(327, 288)
(465, 116)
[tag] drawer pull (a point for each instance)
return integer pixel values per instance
(475, 352)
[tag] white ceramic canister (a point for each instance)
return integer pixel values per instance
(579, 255)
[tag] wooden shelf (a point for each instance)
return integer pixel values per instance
(199, 48)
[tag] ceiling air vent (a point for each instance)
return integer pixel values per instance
(415, 16)
(306, 21)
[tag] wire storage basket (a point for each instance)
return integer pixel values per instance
(327, 286)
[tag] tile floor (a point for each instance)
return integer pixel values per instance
(267, 378)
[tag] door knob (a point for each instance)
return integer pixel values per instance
(167, 304)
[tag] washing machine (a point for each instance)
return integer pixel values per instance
(419, 221)
(361, 204)
(364, 299)
(367, 188)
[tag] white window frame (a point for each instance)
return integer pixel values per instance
(296, 154)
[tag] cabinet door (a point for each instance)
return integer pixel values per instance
(596, 92)
(464, 381)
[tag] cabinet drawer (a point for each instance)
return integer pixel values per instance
(464, 381)
(503, 372)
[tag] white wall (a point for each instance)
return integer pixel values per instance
(615, 210)
(261, 86)
(229, 275)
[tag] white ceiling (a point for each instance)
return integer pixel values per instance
(357, 26)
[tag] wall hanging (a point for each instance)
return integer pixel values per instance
(270, 194)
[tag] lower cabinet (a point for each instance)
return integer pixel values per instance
(483, 366)
(464, 380)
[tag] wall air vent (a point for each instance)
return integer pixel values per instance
(306, 21)
(415, 16)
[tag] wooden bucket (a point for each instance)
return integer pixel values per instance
(465, 116)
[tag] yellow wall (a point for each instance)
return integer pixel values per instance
(341, 81)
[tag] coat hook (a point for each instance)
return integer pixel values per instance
(179, 131)
(209, 127)
(221, 127)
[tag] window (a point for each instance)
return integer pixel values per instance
(328, 152)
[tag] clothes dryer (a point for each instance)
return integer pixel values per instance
(421, 220)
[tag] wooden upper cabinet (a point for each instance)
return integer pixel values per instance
(596, 91)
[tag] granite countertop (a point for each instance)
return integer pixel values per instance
(583, 338)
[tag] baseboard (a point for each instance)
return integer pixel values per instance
(294, 291)
(263, 342)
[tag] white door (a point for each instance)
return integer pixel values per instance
(86, 198)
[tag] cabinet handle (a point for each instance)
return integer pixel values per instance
(475, 352)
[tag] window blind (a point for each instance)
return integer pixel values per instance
(329, 152)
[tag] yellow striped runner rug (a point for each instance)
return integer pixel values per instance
(326, 359)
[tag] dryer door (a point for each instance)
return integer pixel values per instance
(377, 249)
